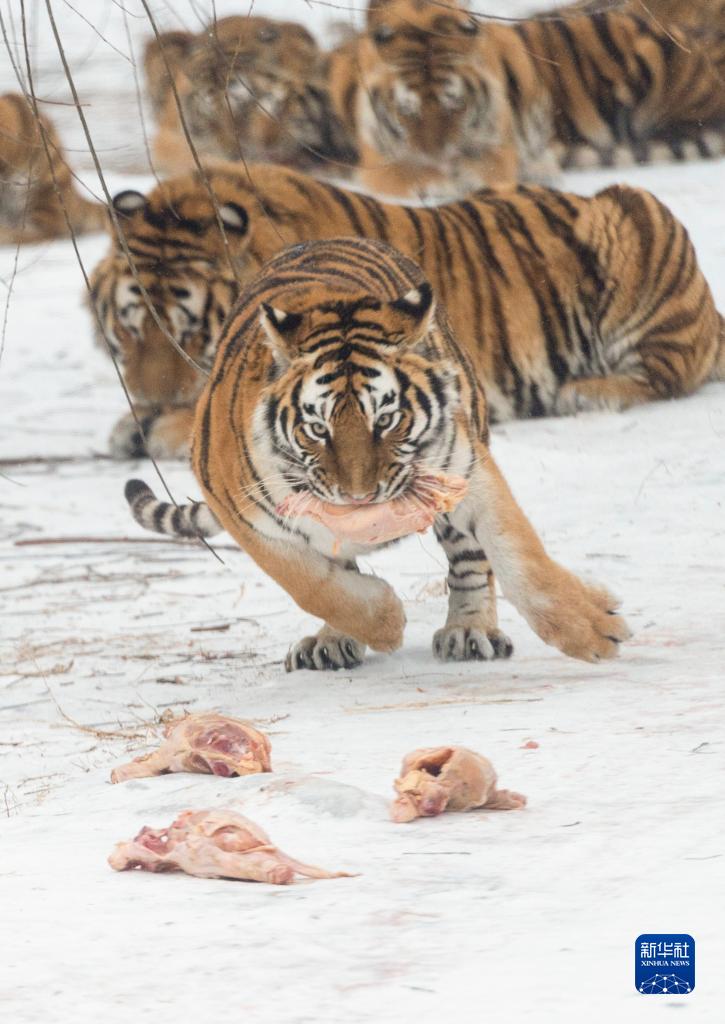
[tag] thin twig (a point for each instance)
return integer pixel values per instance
(183, 541)
(192, 148)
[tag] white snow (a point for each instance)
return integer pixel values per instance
(508, 917)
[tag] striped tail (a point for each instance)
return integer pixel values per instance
(193, 520)
(709, 144)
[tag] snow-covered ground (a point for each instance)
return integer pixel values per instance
(527, 916)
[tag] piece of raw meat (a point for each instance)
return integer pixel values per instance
(376, 523)
(209, 744)
(213, 844)
(448, 778)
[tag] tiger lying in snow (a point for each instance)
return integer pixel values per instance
(440, 101)
(248, 88)
(36, 196)
(339, 375)
(562, 303)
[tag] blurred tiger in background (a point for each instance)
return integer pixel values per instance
(249, 88)
(339, 376)
(629, 89)
(33, 193)
(442, 102)
(563, 303)
(685, 14)
(439, 103)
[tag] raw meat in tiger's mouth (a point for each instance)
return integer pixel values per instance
(207, 743)
(216, 843)
(437, 779)
(378, 522)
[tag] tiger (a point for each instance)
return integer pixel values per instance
(248, 88)
(626, 88)
(565, 303)
(685, 14)
(36, 196)
(442, 102)
(428, 93)
(339, 374)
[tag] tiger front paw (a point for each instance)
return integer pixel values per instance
(126, 440)
(162, 435)
(169, 436)
(466, 643)
(327, 650)
(578, 618)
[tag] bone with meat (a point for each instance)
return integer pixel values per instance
(209, 744)
(213, 844)
(378, 522)
(437, 779)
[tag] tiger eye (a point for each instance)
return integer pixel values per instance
(268, 34)
(383, 34)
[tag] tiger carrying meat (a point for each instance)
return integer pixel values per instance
(563, 303)
(248, 88)
(35, 196)
(339, 375)
(442, 102)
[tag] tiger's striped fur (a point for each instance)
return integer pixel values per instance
(442, 103)
(628, 89)
(34, 194)
(698, 15)
(338, 374)
(563, 303)
(429, 95)
(250, 88)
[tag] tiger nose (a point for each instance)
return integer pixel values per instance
(358, 499)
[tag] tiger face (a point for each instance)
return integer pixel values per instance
(163, 317)
(358, 405)
(253, 89)
(427, 88)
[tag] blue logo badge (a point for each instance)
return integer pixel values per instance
(664, 964)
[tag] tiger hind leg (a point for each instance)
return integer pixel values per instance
(471, 631)
(328, 649)
(603, 394)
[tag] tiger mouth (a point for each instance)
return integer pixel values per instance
(432, 488)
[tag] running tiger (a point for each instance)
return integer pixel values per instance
(441, 101)
(562, 303)
(30, 207)
(249, 88)
(338, 375)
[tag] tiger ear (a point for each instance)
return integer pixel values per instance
(128, 202)
(411, 316)
(234, 218)
(280, 330)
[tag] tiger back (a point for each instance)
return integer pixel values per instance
(626, 88)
